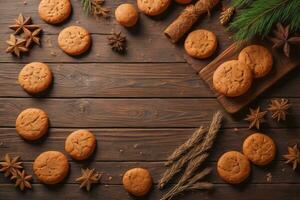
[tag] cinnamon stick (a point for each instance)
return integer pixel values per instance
(187, 18)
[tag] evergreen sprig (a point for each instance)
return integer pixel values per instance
(87, 6)
(257, 17)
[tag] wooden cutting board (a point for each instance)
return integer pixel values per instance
(282, 65)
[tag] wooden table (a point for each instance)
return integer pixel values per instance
(140, 106)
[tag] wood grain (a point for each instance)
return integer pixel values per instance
(140, 106)
(140, 144)
(114, 192)
(112, 172)
(128, 80)
(281, 67)
(139, 50)
(149, 112)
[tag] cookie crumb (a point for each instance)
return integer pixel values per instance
(235, 129)
(110, 178)
(135, 146)
(25, 3)
(269, 177)
(1, 143)
(141, 153)
(52, 53)
(77, 22)
(121, 150)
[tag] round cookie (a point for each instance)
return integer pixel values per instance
(32, 123)
(233, 167)
(54, 11)
(153, 7)
(35, 77)
(259, 148)
(51, 167)
(74, 40)
(232, 78)
(126, 15)
(258, 59)
(80, 144)
(183, 1)
(137, 181)
(200, 43)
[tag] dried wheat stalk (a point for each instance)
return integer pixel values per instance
(182, 149)
(198, 150)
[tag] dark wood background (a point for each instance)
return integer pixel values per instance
(140, 106)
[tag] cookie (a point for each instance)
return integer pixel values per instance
(32, 123)
(51, 167)
(232, 78)
(74, 40)
(200, 44)
(54, 11)
(137, 181)
(35, 77)
(126, 15)
(233, 167)
(153, 7)
(183, 1)
(259, 148)
(80, 144)
(258, 59)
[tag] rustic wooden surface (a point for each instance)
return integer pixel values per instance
(140, 107)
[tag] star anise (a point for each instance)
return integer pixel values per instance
(22, 24)
(255, 117)
(10, 165)
(117, 42)
(98, 10)
(32, 37)
(293, 156)
(282, 39)
(279, 108)
(22, 180)
(16, 46)
(88, 177)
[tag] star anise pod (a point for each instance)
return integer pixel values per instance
(22, 180)
(282, 39)
(32, 37)
(293, 156)
(16, 46)
(10, 165)
(255, 117)
(117, 42)
(88, 177)
(98, 10)
(22, 24)
(278, 108)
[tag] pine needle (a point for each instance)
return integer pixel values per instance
(259, 17)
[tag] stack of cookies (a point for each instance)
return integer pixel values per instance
(235, 77)
(234, 167)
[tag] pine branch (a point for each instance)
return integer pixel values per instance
(259, 17)
(87, 6)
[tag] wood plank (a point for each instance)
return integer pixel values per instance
(139, 144)
(281, 67)
(139, 50)
(128, 80)
(111, 80)
(112, 172)
(116, 192)
(146, 24)
(131, 112)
